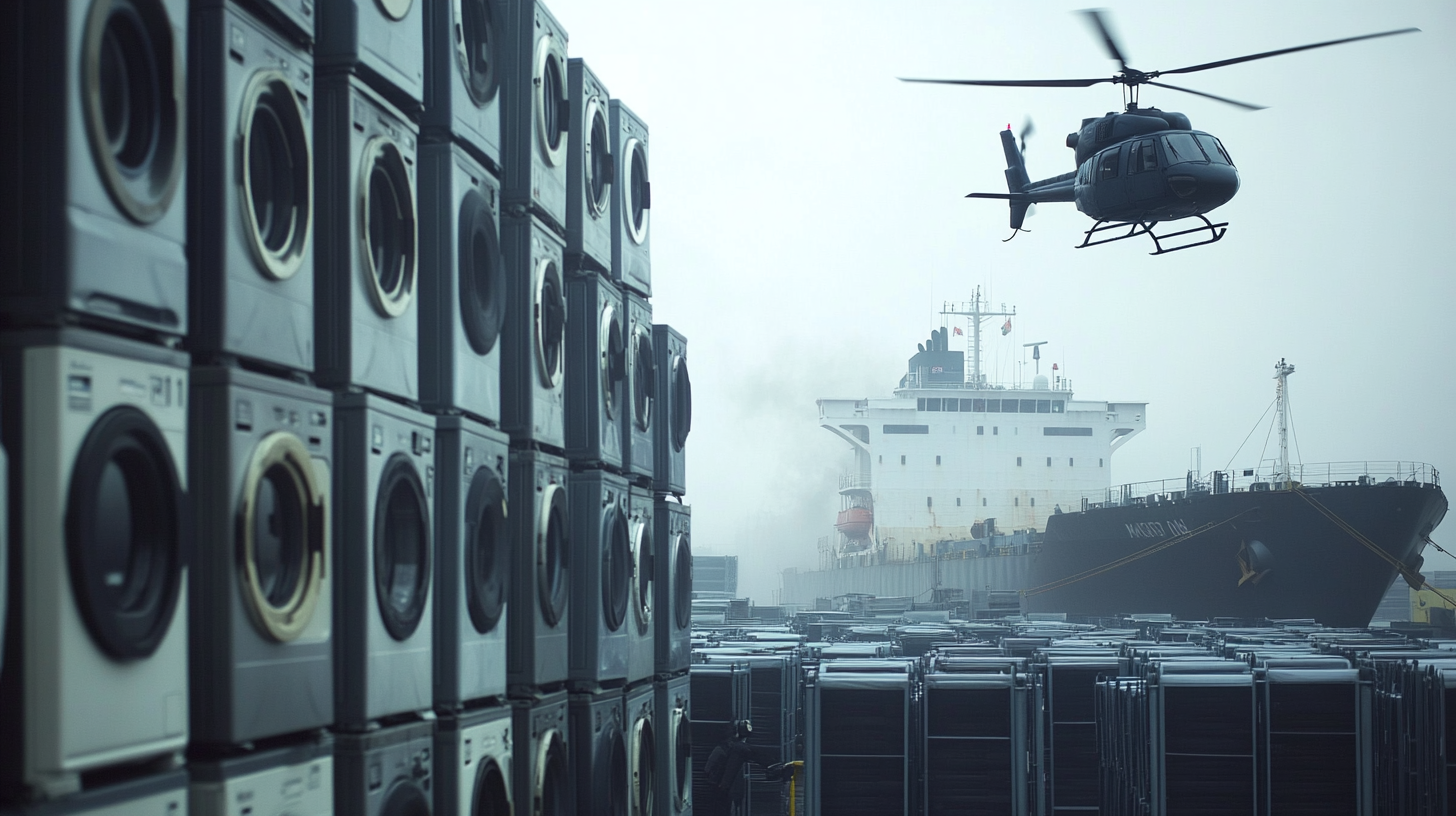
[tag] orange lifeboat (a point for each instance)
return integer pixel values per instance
(855, 522)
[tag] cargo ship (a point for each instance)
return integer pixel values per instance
(998, 495)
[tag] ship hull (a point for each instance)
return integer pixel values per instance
(1097, 562)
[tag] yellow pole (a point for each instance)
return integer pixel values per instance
(793, 782)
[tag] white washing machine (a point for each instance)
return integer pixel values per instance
(599, 754)
(384, 484)
(537, 646)
(366, 313)
(251, 221)
(638, 420)
(543, 780)
(386, 772)
(474, 762)
(163, 794)
(589, 171)
(463, 74)
(262, 603)
(674, 746)
(96, 428)
(472, 564)
(462, 284)
(95, 227)
(382, 41)
(631, 245)
(533, 342)
(643, 735)
(535, 113)
(674, 580)
(601, 580)
(642, 631)
(596, 372)
(675, 410)
(297, 780)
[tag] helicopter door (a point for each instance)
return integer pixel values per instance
(1111, 183)
(1145, 183)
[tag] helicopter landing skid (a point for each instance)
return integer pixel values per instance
(1136, 228)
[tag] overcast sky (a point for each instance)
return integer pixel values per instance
(809, 221)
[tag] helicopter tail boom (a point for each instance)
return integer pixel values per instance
(1021, 191)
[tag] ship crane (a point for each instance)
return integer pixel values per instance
(1283, 479)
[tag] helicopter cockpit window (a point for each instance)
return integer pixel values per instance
(1214, 148)
(1108, 164)
(1145, 156)
(1181, 147)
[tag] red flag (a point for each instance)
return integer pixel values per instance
(1006, 329)
(1054, 366)
(957, 329)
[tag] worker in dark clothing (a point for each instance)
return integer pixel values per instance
(724, 770)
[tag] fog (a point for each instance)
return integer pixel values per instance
(809, 220)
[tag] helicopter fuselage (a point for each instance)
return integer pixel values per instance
(1162, 176)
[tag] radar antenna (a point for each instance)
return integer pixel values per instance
(976, 310)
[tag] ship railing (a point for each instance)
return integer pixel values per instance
(854, 481)
(1324, 474)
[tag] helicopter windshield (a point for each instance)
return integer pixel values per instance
(1182, 147)
(1214, 148)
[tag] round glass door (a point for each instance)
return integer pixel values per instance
(282, 539)
(642, 568)
(636, 193)
(550, 313)
(549, 797)
(682, 752)
(486, 550)
(480, 274)
(475, 39)
(682, 581)
(492, 792)
(405, 799)
(387, 226)
(277, 174)
(682, 402)
(616, 569)
(644, 380)
(613, 363)
(553, 543)
(401, 548)
(598, 160)
(644, 767)
(552, 111)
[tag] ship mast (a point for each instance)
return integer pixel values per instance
(976, 311)
(1282, 370)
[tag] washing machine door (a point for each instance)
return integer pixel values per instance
(553, 545)
(388, 240)
(124, 534)
(133, 94)
(644, 767)
(609, 777)
(276, 178)
(682, 754)
(637, 190)
(549, 795)
(598, 159)
(481, 275)
(487, 548)
(401, 547)
(642, 568)
(644, 380)
(550, 318)
(282, 537)
(616, 568)
(492, 792)
(405, 798)
(475, 42)
(613, 363)
(552, 111)
(682, 402)
(682, 581)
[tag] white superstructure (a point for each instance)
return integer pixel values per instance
(951, 451)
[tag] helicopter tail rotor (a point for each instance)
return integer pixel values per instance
(1016, 179)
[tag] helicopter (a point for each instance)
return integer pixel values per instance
(1138, 168)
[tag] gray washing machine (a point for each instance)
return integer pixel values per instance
(589, 171)
(382, 41)
(535, 111)
(601, 580)
(384, 504)
(163, 794)
(674, 746)
(543, 781)
(675, 410)
(472, 561)
(533, 341)
(638, 419)
(642, 630)
(596, 372)
(537, 644)
(386, 772)
(462, 284)
(93, 227)
(463, 75)
(296, 18)
(366, 313)
(631, 245)
(474, 763)
(674, 580)
(643, 735)
(297, 780)
(599, 754)
(251, 221)
(96, 428)
(262, 607)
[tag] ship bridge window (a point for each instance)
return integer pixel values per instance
(1043, 406)
(978, 405)
(968, 406)
(1056, 431)
(1058, 406)
(993, 406)
(1028, 406)
(1009, 406)
(980, 430)
(906, 429)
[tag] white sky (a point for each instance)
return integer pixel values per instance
(808, 222)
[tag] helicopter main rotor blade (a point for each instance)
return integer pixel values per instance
(1019, 83)
(1224, 99)
(1220, 63)
(1094, 16)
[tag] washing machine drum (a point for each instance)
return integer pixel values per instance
(644, 767)
(644, 381)
(124, 534)
(550, 316)
(682, 402)
(552, 111)
(613, 362)
(481, 274)
(598, 159)
(549, 794)
(637, 192)
(682, 753)
(682, 581)
(616, 568)
(492, 794)
(553, 545)
(487, 549)
(277, 174)
(475, 40)
(642, 571)
(387, 214)
(133, 94)
(281, 538)
(405, 798)
(609, 776)
(401, 548)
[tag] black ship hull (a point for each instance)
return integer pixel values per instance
(1270, 554)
